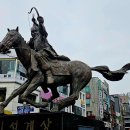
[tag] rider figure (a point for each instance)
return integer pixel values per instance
(38, 42)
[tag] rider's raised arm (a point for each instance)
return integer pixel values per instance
(42, 28)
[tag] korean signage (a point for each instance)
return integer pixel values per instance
(29, 122)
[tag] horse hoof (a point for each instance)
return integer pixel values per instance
(41, 105)
(54, 109)
(45, 104)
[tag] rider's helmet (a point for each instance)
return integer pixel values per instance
(34, 30)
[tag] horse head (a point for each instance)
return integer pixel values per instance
(9, 40)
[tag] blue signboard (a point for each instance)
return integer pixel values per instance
(24, 109)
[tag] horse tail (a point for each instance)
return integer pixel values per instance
(112, 75)
(35, 10)
(100, 68)
(126, 67)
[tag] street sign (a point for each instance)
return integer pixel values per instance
(25, 109)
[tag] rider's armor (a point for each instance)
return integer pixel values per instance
(39, 42)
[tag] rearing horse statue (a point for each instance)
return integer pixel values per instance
(78, 74)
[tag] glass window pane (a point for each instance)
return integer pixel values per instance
(77, 110)
(7, 66)
(21, 70)
(87, 101)
(87, 89)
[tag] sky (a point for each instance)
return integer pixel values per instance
(96, 32)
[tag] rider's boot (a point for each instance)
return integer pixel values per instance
(33, 62)
(50, 78)
(33, 69)
(45, 67)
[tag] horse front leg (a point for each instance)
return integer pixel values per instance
(13, 95)
(34, 84)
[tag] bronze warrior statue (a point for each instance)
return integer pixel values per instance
(38, 42)
(75, 73)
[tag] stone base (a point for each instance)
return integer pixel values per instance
(48, 121)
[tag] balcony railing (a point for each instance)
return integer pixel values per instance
(12, 78)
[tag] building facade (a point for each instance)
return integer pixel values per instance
(98, 101)
(125, 99)
(118, 112)
(12, 75)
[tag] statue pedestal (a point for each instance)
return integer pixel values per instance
(48, 121)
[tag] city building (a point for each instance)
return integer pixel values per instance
(12, 75)
(113, 113)
(98, 101)
(106, 104)
(118, 111)
(125, 99)
(92, 100)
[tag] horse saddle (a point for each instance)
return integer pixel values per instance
(58, 67)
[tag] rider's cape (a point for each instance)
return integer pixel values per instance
(58, 67)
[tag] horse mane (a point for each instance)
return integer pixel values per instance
(22, 38)
(23, 50)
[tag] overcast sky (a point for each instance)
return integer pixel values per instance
(96, 32)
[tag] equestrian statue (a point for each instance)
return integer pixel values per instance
(47, 69)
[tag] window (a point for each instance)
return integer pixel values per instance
(77, 110)
(105, 106)
(7, 66)
(87, 101)
(2, 94)
(87, 89)
(21, 70)
(104, 96)
(83, 112)
(63, 89)
(83, 97)
(88, 95)
(32, 96)
(80, 95)
(89, 113)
